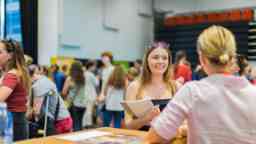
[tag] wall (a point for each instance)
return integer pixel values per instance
(47, 30)
(177, 6)
(74, 28)
(83, 35)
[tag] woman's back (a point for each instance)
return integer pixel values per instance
(77, 94)
(224, 110)
(114, 98)
(40, 89)
(220, 109)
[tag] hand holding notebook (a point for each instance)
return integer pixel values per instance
(138, 108)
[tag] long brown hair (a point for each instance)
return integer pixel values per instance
(17, 62)
(117, 78)
(145, 77)
(76, 73)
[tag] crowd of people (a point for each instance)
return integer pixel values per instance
(211, 104)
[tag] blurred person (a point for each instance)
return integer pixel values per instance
(106, 70)
(59, 120)
(114, 94)
(132, 74)
(15, 85)
(64, 69)
(198, 73)
(138, 65)
(28, 59)
(58, 77)
(43, 70)
(107, 59)
(74, 92)
(182, 70)
(91, 82)
(244, 67)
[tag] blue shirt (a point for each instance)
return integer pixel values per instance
(59, 79)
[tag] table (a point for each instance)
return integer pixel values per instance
(54, 140)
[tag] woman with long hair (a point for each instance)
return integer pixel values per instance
(114, 94)
(199, 102)
(154, 82)
(15, 85)
(74, 92)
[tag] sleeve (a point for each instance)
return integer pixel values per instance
(10, 81)
(167, 123)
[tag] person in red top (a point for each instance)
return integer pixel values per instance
(15, 85)
(182, 70)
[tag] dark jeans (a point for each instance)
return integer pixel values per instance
(115, 115)
(77, 114)
(20, 126)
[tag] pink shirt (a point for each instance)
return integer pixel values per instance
(220, 109)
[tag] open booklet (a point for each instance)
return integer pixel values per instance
(139, 108)
(100, 137)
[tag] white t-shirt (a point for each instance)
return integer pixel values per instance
(106, 72)
(114, 98)
(220, 109)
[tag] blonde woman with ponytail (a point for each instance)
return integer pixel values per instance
(220, 109)
(15, 85)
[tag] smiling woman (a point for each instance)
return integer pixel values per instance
(154, 83)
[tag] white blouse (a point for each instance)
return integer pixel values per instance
(220, 109)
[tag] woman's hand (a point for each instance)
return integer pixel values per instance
(29, 114)
(182, 131)
(152, 114)
(100, 98)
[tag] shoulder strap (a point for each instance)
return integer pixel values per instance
(57, 108)
(31, 98)
(49, 94)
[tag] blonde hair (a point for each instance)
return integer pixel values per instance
(145, 77)
(133, 72)
(217, 44)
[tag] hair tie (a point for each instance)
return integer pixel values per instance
(224, 58)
